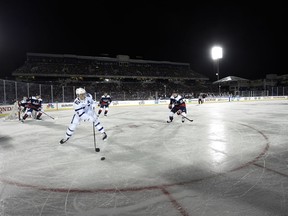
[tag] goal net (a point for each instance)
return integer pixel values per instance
(14, 114)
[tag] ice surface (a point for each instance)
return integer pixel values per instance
(231, 160)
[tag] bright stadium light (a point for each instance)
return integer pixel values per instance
(217, 54)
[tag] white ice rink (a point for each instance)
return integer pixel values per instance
(232, 160)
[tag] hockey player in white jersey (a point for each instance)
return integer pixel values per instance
(84, 106)
(177, 105)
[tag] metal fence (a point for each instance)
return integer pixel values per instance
(270, 91)
(10, 91)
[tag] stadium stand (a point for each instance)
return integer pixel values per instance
(120, 74)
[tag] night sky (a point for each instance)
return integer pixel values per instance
(251, 34)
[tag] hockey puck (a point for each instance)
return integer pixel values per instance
(102, 158)
(97, 149)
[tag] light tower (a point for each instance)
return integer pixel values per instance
(216, 53)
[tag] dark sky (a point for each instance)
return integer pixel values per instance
(251, 34)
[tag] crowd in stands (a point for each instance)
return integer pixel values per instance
(126, 78)
(56, 77)
(122, 78)
(53, 66)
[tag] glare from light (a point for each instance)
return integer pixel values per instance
(216, 52)
(218, 142)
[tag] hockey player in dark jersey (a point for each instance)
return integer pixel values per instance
(33, 103)
(22, 106)
(177, 105)
(104, 103)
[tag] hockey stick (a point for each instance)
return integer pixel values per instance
(19, 110)
(191, 120)
(47, 114)
(96, 149)
(19, 116)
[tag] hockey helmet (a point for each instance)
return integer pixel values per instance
(37, 95)
(80, 91)
(174, 94)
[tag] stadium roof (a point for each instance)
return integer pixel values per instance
(230, 79)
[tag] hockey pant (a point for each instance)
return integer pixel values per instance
(75, 122)
(179, 111)
(105, 108)
(29, 112)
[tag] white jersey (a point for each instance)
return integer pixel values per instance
(84, 111)
(84, 108)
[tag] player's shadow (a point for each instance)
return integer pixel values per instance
(5, 142)
(48, 124)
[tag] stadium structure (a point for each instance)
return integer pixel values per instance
(112, 75)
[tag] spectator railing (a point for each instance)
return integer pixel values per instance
(10, 91)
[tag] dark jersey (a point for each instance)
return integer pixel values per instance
(34, 103)
(23, 103)
(177, 101)
(178, 104)
(105, 100)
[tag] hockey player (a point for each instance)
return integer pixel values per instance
(200, 99)
(23, 102)
(84, 107)
(177, 105)
(104, 104)
(33, 103)
(22, 106)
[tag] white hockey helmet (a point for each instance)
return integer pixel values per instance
(80, 91)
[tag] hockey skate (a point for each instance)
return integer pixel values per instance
(63, 141)
(104, 136)
(24, 118)
(170, 119)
